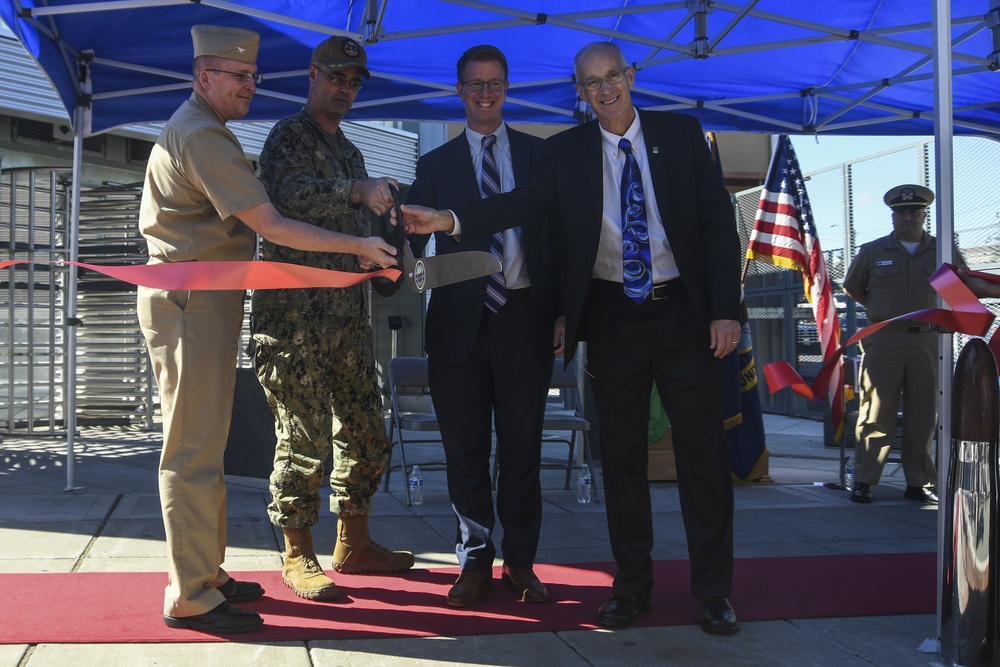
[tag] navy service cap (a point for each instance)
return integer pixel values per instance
(908, 195)
(335, 53)
(231, 43)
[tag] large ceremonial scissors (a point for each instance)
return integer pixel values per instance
(428, 272)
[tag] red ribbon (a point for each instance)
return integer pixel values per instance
(226, 275)
(967, 315)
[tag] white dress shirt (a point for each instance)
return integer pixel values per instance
(608, 265)
(514, 271)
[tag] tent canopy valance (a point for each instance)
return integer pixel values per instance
(774, 66)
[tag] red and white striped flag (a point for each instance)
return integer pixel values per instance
(784, 234)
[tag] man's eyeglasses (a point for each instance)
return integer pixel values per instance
(476, 85)
(340, 80)
(613, 79)
(245, 77)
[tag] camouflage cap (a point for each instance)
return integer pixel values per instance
(335, 53)
(224, 42)
(908, 195)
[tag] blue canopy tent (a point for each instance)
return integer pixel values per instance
(858, 67)
(845, 67)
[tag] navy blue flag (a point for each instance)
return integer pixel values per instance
(744, 418)
(745, 437)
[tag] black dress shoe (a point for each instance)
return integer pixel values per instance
(718, 617)
(925, 494)
(241, 591)
(862, 493)
(469, 588)
(621, 611)
(224, 619)
(525, 584)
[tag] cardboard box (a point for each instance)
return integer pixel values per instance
(661, 460)
(663, 469)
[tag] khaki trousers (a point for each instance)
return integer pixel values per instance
(193, 339)
(894, 363)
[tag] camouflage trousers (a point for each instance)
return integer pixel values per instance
(319, 378)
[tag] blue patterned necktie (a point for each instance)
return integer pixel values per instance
(637, 270)
(496, 285)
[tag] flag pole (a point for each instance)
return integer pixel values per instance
(745, 436)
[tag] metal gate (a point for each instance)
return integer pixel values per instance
(34, 213)
(113, 385)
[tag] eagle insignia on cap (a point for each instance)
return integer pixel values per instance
(351, 48)
(907, 194)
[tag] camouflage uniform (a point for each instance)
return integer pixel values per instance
(314, 347)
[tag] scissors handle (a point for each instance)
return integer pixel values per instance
(394, 236)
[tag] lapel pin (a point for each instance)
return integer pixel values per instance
(656, 150)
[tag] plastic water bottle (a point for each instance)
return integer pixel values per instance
(416, 486)
(583, 482)
(849, 474)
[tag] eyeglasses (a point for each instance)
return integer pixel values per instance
(476, 85)
(245, 77)
(340, 80)
(613, 79)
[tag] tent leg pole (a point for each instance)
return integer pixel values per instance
(71, 319)
(944, 168)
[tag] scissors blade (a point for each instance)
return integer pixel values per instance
(439, 270)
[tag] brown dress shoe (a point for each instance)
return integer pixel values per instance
(469, 588)
(525, 584)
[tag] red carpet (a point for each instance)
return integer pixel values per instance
(126, 607)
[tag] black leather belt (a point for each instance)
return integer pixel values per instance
(666, 290)
(660, 291)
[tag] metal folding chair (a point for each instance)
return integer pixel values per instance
(409, 373)
(564, 423)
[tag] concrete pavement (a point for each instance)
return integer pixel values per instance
(111, 522)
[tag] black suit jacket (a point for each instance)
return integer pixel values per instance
(446, 178)
(694, 205)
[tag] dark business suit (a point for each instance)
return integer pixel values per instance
(486, 366)
(631, 346)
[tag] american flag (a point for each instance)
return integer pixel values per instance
(784, 234)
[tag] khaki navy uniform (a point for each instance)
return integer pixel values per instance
(196, 179)
(900, 357)
(314, 347)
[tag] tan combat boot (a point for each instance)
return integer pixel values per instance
(301, 571)
(356, 552)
